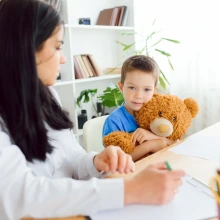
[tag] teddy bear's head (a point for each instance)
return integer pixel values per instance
(167, 115)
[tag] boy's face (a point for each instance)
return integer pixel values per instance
(138, 88)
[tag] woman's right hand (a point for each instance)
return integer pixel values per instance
(153, 185)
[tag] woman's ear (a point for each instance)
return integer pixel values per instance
(120, 86)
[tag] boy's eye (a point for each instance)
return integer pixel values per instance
(147, 90)
(131, 87)
(174, 118)
(160, 113)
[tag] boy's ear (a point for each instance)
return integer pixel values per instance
(120, 86)
(156, 88)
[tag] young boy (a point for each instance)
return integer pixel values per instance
(139, 77)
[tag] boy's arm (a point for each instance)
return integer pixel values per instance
(140, 135)
(151, 146)
(111, 124)
(140, 151)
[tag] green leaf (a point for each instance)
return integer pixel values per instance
(128, 34)
(111, 97)
(173, 41)
(85, 96)
(162, 83)
(164, 77)
(140, 51)
(148, 37)
(118, 42)
(156, 43)
(92, 92)
(163, 52)
(128, 46)
(79, 99)
(170, 63)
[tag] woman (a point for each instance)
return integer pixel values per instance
(43, 171)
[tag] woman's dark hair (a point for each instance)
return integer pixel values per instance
(25, 103)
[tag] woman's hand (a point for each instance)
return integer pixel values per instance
(114, 159)
(153, 185)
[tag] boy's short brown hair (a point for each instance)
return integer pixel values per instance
(140, 62)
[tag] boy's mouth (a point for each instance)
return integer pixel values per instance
(137, 103)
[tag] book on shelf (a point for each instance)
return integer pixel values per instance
(95, 65)
(83, 70)
(77, 69)
(116, 16)
(121, 12)
(105, 17)
(82, 64)
(114, 70)
(124, 16)
(85, 66)
(88, 65)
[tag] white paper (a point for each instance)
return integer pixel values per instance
(205, 147)
(193, 202)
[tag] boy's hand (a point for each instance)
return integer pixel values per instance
(114, 159)
(141, 135)
(159, 144)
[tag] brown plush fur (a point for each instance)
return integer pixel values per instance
(178, 112)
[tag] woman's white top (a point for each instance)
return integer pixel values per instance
(60, 186)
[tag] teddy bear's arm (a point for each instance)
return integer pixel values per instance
(121, 139)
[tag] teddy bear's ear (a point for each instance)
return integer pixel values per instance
(192, 105)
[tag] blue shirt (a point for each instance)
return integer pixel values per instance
(119, 120)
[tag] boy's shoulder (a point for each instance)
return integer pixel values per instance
(117, 112)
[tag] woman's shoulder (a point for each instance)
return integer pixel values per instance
(2, 124)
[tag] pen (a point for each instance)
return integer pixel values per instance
(168, 165)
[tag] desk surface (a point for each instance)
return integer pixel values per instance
(177, 161)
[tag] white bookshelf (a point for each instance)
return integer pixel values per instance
(100, 41)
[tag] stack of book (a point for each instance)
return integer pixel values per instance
(85, 66)
(113, 16)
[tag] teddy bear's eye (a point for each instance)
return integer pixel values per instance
(174, 118)
(160, 113)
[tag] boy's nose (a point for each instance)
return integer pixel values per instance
(138, 94)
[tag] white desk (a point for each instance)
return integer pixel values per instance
(198, 168)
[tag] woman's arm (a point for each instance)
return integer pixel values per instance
(24, 194)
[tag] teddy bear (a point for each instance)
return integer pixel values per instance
(165, 115)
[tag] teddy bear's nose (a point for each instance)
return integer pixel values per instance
(163, 128)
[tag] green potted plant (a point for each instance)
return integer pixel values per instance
(151, 45)
(85, 96)
(111, 97)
